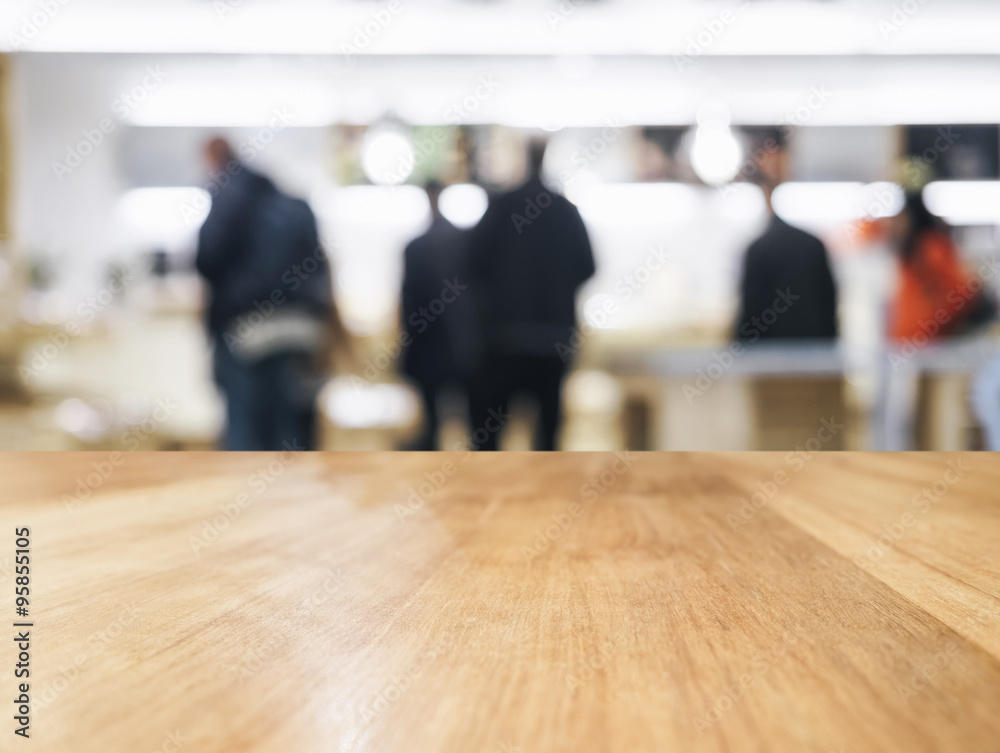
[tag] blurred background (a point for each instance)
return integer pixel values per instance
(649, 110)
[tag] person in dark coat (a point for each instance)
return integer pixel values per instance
(529, 255)
(269, 306)
(436, 312)
(787, 289)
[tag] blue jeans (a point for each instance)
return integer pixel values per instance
(270, 403)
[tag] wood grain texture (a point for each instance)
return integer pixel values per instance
(508, 602)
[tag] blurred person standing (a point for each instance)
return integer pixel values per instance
(936, 296)
(787, 294)
(437, 317)
(787, 289)
(529, 255)
(270, 302)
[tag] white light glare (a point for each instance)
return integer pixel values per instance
(883, 199)
(740, 202)
(463, 204)
(629, 204)
(822, 206)
(163, 216)
(404, 208)
(962, 202)
(715, 155)
(387, 156)
(376, 406)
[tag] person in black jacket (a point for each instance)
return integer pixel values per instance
(269, 306)
(529, 255)
(437, 317)
(787, 290)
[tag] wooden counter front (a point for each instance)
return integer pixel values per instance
(838, 603)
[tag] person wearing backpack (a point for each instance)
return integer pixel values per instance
(270, 313)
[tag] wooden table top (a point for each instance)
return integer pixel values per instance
(507, 602)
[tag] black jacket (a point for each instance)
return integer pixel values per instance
(223, 243)
(252, 248)
(787, 289)
(436, 306)
(529, 255)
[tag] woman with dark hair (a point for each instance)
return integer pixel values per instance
(934, 297)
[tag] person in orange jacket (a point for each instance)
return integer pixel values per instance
(933, 298)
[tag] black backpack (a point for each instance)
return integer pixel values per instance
(284, 260)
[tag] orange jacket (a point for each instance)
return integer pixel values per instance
(933, 294)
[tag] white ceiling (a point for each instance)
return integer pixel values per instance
(504, 27)
(526, 91)
(560, 62)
